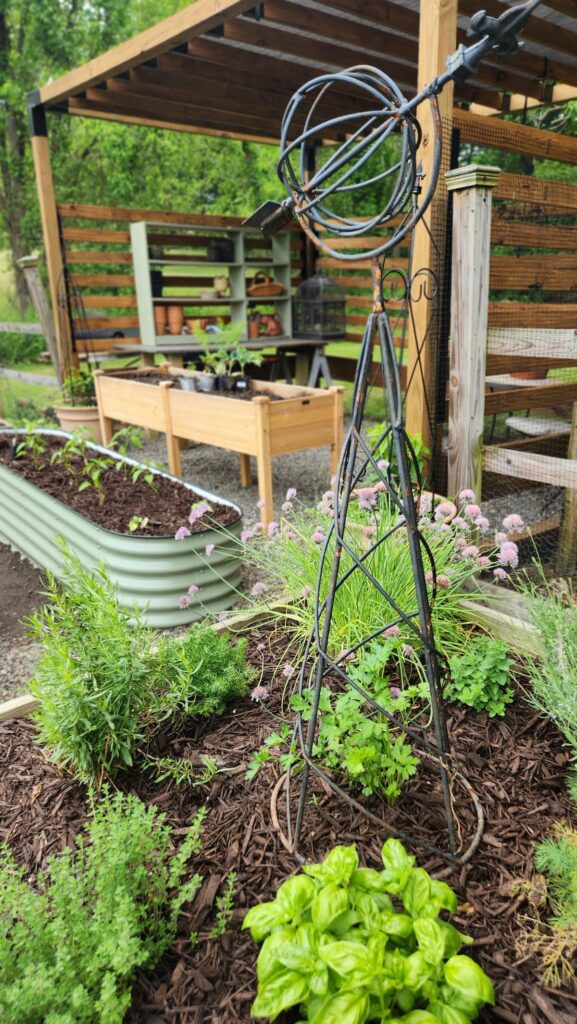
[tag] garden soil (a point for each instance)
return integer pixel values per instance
(517, 766)
(20, 593)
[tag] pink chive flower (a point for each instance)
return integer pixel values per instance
(259, 693)
(472, 511)
(290, 494)
(198, 511)
(383, 465)
(318, 537)
(392, 631)
(500, 574)
(260, 503)
(328, 495)
(459, 522)
(287, 670)
(443, 582)
(246, 535)
(306, 592)
(471, 551)
(509, 554)
(483, 562)
(367, 497)
(513, 523)
(380, 486)
(501, 537)
(368, 531)
(443, 527)
(184, 602)
(443, 510)
(286, 507)
(272, 529)
(461, 543)
(208, 550)
(193, 590)
(483, 523)
(408, 651)
(325, 508)
(258, 589)
(394, 692)
(181, 533)
(466, 495)
(429, 577)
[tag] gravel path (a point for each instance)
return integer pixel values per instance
(20, 593)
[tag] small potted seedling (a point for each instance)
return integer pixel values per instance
(79, 407)
(243, 356)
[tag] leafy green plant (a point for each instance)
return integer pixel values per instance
(125, 438)
(481, 677)
(198, 673)
(335, 944)
(181, 771)
(31, 445)
(224, 907)
(78, 388)
(92, 476)
(385, 450)
(70, 948)
(359, 744)
(137, 523)
(243, 356)
(93, 676)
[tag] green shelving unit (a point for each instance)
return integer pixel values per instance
(176, 266)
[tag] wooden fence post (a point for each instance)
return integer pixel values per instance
(567, 558)
(472, 187)
(39, 299)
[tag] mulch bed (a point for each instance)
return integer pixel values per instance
(517, 766)
(166, 505)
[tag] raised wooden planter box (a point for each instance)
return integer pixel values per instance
(151, 572)
(302, 418)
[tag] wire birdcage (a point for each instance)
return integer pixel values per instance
(319, 309)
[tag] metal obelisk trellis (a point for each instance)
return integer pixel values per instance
(378, 112)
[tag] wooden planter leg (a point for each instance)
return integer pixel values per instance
(336, 447)
(172, 445)
(264, 458)
(567, 559)
(245, 471)
(106, 424)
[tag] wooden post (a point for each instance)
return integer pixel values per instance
(472, 189)
(567, 559)
(172, 445)
(245, 472)
(264, 458)
(39, 299)
(51, 233)
(336, 447)
(106, 423)
(437, 39)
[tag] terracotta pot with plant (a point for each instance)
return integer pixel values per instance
(79, 408)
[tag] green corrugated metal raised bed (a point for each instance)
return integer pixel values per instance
(152, 572)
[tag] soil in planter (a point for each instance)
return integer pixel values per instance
(517, 765)
(152, 377)
(166, 505)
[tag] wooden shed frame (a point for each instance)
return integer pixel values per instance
(207, 69)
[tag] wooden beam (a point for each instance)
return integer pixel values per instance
(534, 272)
(534, 236)
(532, 314)
(118, 112)
(521, 188)
(531, 342)
(52, 249)
(513, 137)
(471, 188)
(193, 20)
(108, 236)
(543, 469)
(437, 40)
(89, 211)
(545, 396)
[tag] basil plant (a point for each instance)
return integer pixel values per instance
(349, 945)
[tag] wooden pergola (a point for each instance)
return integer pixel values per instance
(228, 67)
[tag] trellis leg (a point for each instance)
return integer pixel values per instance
(567, 558)
(472, 192)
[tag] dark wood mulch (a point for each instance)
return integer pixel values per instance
(21, 590)
(166, 505)
(153, 377)
(517, 766)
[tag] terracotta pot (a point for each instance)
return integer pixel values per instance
(160, 319)
(175, 319)
(253, 325)
(73, 417)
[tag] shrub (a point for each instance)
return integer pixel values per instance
(335, 944)
(92, 679)
(480, 678)
(199, 673)
(70, 949)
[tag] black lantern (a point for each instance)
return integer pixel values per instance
(319, 309)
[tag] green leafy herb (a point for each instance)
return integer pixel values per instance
(480, 678)
(224, 907)
(351, 945)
